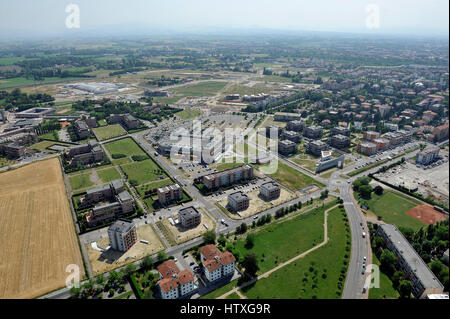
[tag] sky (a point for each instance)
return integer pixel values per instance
(41, 18)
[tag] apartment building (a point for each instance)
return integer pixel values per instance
(274, 131)
(270, 191)
(85, 154)
(371, 135)
(17, 148)
(174, 283)
(81, 129)
(296, 126)
(423, 280)
(340, 141)
(440, 132)
(316, 147)
(228, 177)
(169, 194)
(215, 263)
(291, 136)
(340, 130)
(189, 217)
(367, 148)
(313, 132)
(287, 147)
(127, 120)
(238, 201)
(428, 156)
(122, 235)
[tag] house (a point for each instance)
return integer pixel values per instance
(215, 263)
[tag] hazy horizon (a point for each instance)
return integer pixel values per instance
(46, 18)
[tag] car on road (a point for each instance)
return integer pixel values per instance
(363, 235)
(191, 263)
(363, 271)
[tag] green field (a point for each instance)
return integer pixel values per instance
(125, 146)
(107, 132)
(42, 146)
(392, 207)
(314, 276)
(233, 296)
(219, 292)
(292, 178)
(6, 162)
(209, 88)
(121, 161)
(386, 290)
(107, 175)
(146, 187)
(80, 181)
(23, 81)
(143, 172)
(188, 114)
(274, 243)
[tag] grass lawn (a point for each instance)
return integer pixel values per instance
(5, 161)
(121, 161)
(386, 290)
(102, 123)
(209, 88)
(108, 175)
(42, 146)
(224, 166)
(126, 146)
(188, 114)
(108, 132)
(274, 243)
(80, 181)
(219, 292)
(233, 296)
(49, 136)
(143, 172)
(392, 208)
(314, 276)
(146, 187)
(292, 178)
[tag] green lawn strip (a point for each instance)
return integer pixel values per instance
(233, 296)
(143, 172)
(149, 186)
(386, 290)
(285, 239)
(121, 161)
(108, 175)
(314, 276)
(80, 181)
(125, 295)
(125, 146)
(291, 177)
(108, 132)
(392, 208)
(220, 291)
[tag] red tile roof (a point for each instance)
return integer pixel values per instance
(168, 269)
(171, 283)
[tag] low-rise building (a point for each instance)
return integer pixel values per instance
(316, 147)
(382, 143)
(340, 130)
(270, 191)
(174, 283)
(122, 235)
(367, 148)
(287, 147)
(215, 263)
(273, 131)
(170, 193)
(127, 120)
(371, 135)
(296, 126)
(312, 132)
(228, 177)
(428, 155)
(189, 217)
(238, 201)
(291, 136)
(423, 280)
(85, 154)
(340, 141)
(81, 129)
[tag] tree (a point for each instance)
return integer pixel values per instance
(405, 289)
(222, 240)
(147, 262)
(436, 267)
(324, 194)
(100, 279)
(250, 263)
(365, 191)
(75, 292)
(378, 190)
(162, 256)
(209, 237)
(130, 268)
(397, 277)
(388, 261)
(249, 241)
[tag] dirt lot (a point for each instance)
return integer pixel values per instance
(426, 214)
(181, 235)
(36, 231)
(257, 204)
(105, 261)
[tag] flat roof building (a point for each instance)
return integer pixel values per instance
(189, 217)
(238, 201)
(122, 235)
(270, 191)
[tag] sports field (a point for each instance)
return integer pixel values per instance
(107, 132)
(36, 231)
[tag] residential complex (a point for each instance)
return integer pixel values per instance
(228, 177)
(189, 217)
(312, 132)
(174, 283)
(316, 147)
(170, 193)
(127, 120)
(296, 126)
(287, 147)
(428, 156)
(340, 141)
(238, 201)
(85, 154)
(270, 191)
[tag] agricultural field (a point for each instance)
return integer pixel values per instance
(291, 178)
(143, 172)
(36, 222)
(126, 146)
(392, 208)
(316, 275)
(108, 132)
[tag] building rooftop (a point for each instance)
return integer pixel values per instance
(412, 258)
(121, 226)
(189, 212)
(270, 186)
(237, 196)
